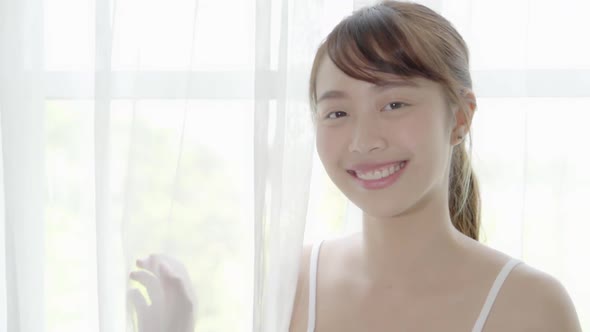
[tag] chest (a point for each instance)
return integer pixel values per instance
(342, 310)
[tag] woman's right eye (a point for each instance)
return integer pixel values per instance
(335, 115)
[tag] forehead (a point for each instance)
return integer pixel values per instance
(330, 77)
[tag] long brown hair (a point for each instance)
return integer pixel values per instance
(410, 40)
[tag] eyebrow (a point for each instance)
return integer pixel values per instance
(339, 94)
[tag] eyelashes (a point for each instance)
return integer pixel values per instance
(397, 104)
(333, 115)
(392, 106)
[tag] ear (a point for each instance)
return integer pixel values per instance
(462, 117)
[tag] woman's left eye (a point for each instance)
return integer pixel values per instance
(393, 106)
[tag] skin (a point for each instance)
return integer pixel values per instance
(409, 269)
(172, 299)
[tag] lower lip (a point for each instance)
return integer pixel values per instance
(381, 183)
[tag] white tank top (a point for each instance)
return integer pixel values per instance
(479, 323)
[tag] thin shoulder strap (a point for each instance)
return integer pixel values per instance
(313, 271)
(487, 307)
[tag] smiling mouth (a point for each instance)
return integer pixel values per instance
(380, 173)
(380, 178)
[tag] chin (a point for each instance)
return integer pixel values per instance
(379, 207)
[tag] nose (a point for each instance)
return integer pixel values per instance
(366, 137)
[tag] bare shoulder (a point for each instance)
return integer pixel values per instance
(531, 300)
(299, 313)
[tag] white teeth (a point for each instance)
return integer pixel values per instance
(381, 173)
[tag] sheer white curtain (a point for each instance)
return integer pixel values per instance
(181, 126)
(23, 190)
(130, 128)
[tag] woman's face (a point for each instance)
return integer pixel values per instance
(387, 147)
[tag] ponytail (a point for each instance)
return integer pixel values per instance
(464, 199)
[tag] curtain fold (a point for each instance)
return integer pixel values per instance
(23, 140)
(283, 149)
(111, 276)
(5, 244)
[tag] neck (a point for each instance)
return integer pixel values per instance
(405, 248)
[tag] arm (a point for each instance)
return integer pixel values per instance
(555, 307)
(536, 301)
(299, 314)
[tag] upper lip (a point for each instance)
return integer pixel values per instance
(367, 167)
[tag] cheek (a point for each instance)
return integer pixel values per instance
(417, 135)
(326, 145)
(426, 138)
(434, 149)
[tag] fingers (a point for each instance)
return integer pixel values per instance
(139, 303)
(151, 283)
(154, 263)
(167, 273)
(181, 287)
(135, 298)
(170, 289)
(151, 263)
(170, 272)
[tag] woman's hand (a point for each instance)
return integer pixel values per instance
(173, 301)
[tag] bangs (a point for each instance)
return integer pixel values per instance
(374, 44)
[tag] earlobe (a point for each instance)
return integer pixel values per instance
(471, 101)
(458, 135)
(461, 132)
(463, 117)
